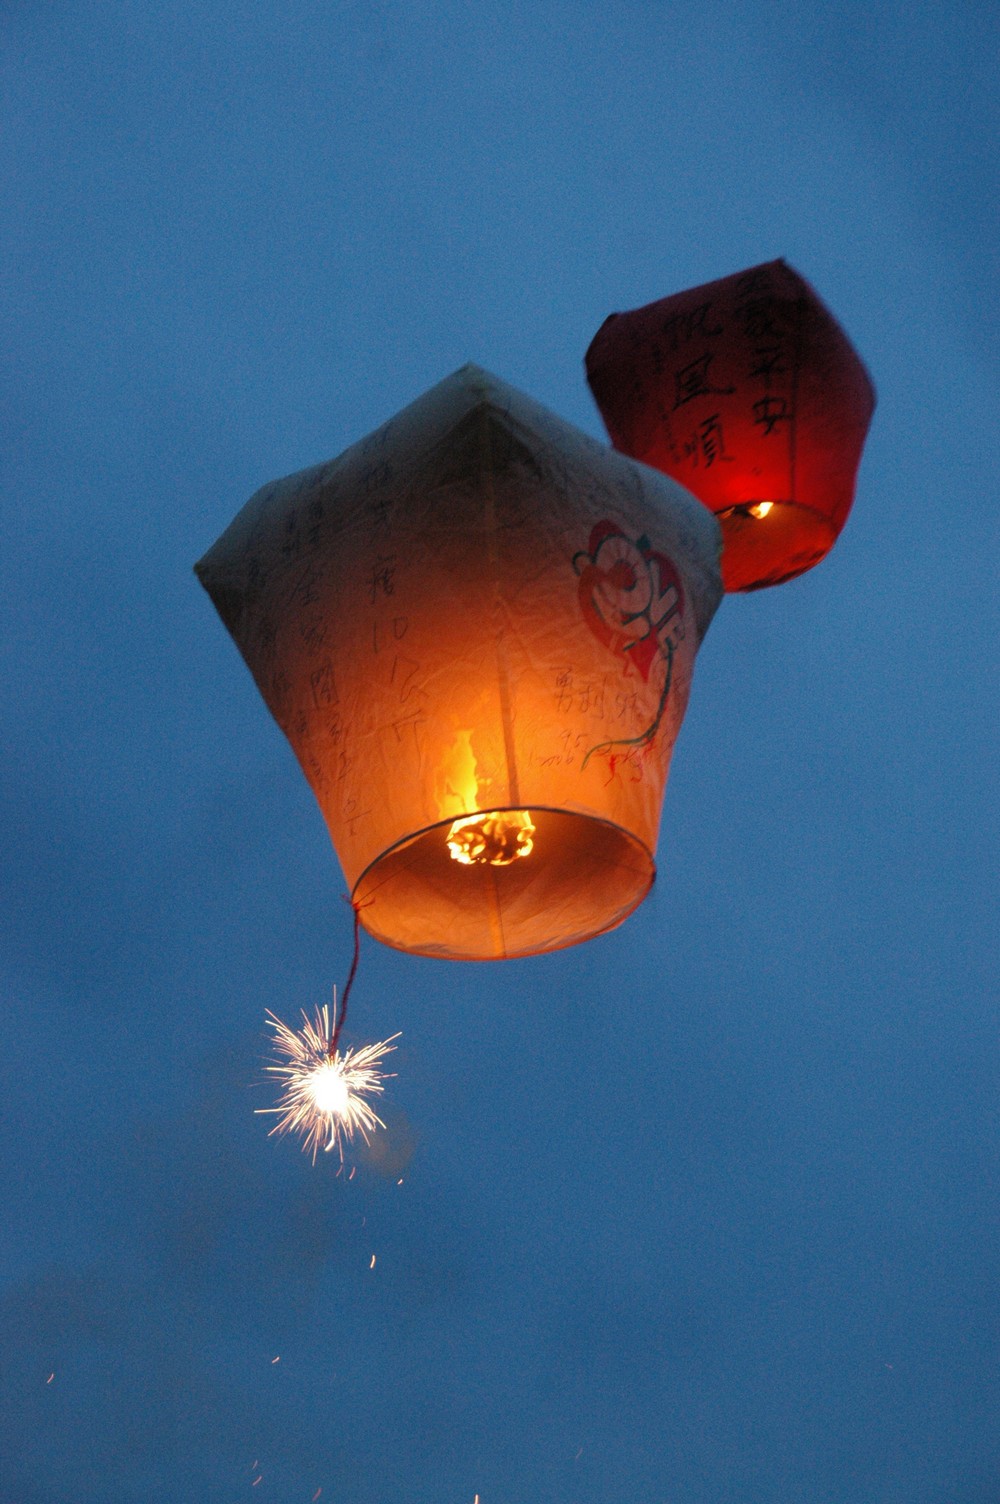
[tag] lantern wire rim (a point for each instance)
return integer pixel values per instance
(364, 895)
(778, 542)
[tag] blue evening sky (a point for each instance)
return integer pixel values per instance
(703, 1212)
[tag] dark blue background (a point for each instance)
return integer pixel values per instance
(705, 1211)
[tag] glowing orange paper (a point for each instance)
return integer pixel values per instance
(477, 629)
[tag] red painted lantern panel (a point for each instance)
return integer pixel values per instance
(748, 392)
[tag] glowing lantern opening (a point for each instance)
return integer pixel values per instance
(748, 392)
(477, 629)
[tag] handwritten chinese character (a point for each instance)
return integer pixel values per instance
(304, 591)
(706, 444)
(693, 381)
(313, 632)
(712, 441)
(760, 319)
(754, 283)
(591, 699)
(383, 577)
(323, 686)
(769, 412)
(768, 363)
(684, 326)
(564, 686)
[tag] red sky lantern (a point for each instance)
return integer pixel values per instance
(747, 392)
(477, 630)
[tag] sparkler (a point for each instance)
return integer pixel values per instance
(324, 1093)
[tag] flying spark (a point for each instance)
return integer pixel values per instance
(324, 1092)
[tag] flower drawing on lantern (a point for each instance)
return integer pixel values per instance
(632, 600)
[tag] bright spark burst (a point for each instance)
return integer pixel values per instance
(323, 1095)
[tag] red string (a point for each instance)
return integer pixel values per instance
(339, 1018)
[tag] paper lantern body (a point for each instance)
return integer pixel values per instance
(748, 392)
(477, 609)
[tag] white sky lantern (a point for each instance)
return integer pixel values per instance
(477, 629)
